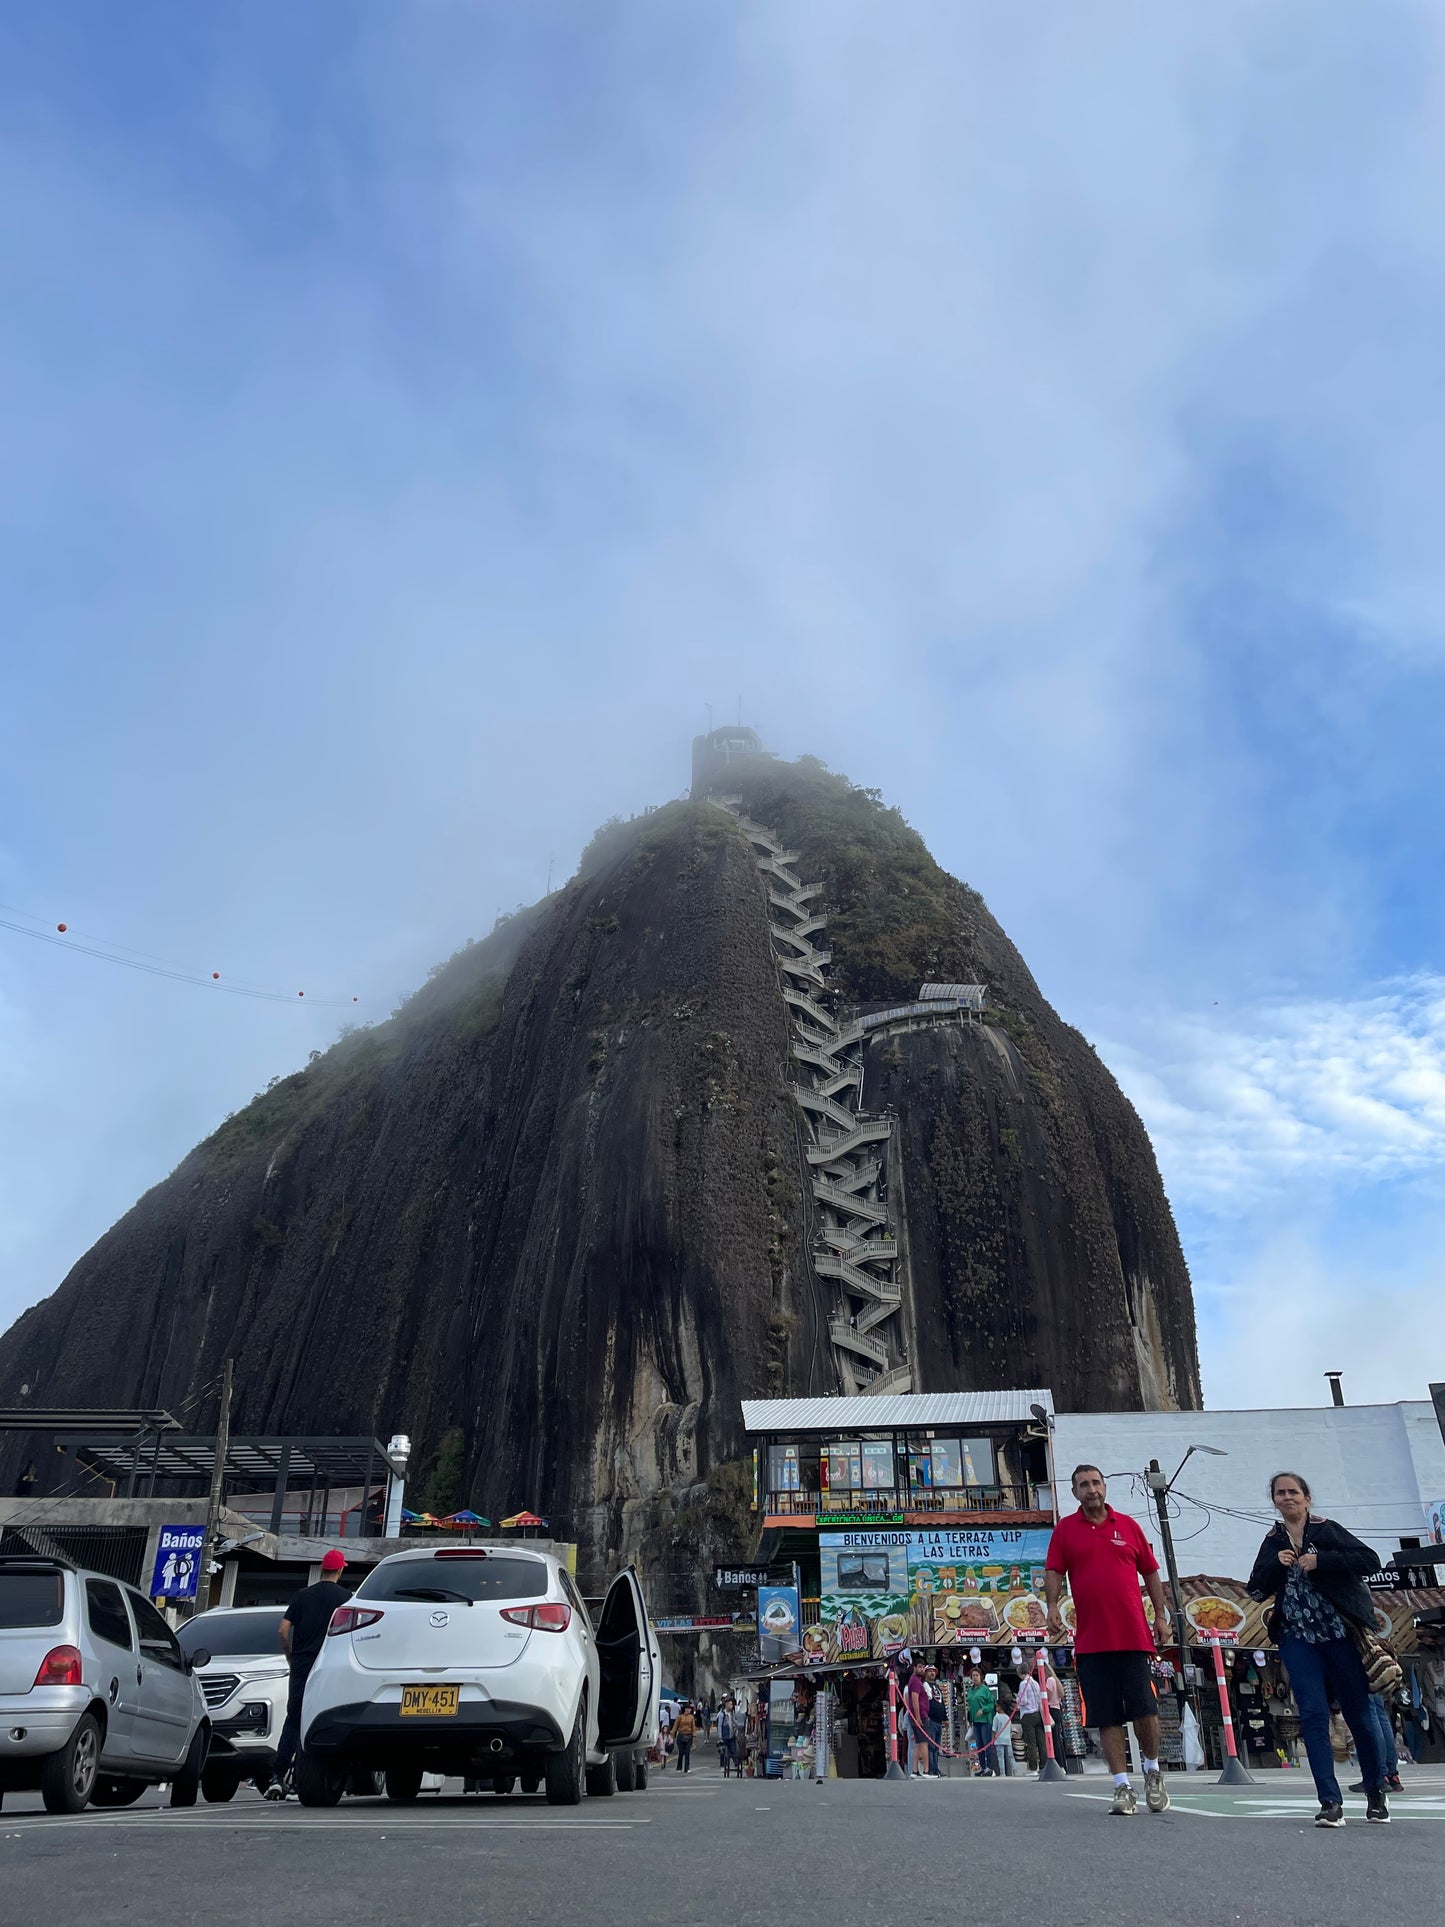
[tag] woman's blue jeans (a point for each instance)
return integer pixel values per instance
(1317, 1675)
(1385, 1733)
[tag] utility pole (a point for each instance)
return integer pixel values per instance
(218, 1478)
(1159, 1486)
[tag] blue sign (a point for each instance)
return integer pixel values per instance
(178, 1562)
(779, 1621)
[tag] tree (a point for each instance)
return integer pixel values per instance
(446, 1488)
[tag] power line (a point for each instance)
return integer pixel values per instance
(136, 961)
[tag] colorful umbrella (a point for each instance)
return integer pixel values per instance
(464, 1518)
(522, 1519)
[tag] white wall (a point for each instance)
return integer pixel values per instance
(1372, 1468)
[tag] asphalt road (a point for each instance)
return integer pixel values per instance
(701, 1848)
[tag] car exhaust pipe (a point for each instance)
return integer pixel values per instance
(499, 1746)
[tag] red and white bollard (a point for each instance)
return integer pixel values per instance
(1050, 1770)
(893, 1771)
(1235, 1773)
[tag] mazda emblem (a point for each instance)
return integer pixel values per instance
(441, 1619)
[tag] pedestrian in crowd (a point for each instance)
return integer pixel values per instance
(664, 1733)
(1003, 1740)
(684, 1731)
(1031, 1720)
(303, 1633)
(727, 1738)
(1104, 1554)
(1389, 1746)
(915, 1715)
(982, 1705)
(1315, 1572)
(937, 1714)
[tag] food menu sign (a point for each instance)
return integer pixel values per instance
(881, 1591)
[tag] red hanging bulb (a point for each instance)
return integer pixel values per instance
(60, 926)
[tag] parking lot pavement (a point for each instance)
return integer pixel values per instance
(829, 1853)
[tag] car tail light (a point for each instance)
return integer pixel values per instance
(553, 1617)
(346, 1619)
(60, 1667)
(461, 1552)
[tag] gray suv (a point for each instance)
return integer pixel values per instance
(97, 1700)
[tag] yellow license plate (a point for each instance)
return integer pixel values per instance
(429, 1702)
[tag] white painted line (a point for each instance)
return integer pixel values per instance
(50, 1823)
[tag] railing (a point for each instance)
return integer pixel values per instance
(970, 1498)
(842, 1333)
(828, 1150)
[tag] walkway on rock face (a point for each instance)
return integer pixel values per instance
(858, 1246)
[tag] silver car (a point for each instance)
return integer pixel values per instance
(97, 1700)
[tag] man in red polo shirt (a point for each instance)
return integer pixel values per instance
(1104, 1553)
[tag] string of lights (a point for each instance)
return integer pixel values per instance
(62, 938)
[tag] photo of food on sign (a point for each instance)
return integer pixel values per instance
(884, 1590)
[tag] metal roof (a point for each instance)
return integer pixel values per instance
(898, 1411)
(183, 1457)
(971, 994)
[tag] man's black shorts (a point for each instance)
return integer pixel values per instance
(1117, 1687)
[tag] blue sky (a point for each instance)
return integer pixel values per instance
(414, 415)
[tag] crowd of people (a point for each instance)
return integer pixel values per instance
(990, 1713)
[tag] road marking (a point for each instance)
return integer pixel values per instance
(49, 1823)
(1233, 1806)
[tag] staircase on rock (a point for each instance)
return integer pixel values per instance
(857, 1247)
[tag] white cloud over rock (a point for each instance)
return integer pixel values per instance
(1246, 1104)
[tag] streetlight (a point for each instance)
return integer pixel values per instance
(1161, 1488)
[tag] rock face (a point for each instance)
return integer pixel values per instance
(557, 1205)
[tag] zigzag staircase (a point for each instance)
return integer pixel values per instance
(857, 1247)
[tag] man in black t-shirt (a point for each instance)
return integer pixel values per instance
(303, 1633)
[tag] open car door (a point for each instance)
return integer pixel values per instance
(625, 1664)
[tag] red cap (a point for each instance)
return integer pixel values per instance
(332, 1561)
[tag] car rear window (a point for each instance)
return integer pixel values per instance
(495, 1577)
(31, 1599)
(233, 1635)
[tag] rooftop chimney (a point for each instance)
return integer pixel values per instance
(1335, 1392)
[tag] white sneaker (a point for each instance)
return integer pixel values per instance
(1156, 1793)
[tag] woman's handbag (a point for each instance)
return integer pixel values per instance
(1383, 1672)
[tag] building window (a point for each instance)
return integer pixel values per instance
(953, 1463)
(842, 1466)
(783, 1475)
(878, 1475)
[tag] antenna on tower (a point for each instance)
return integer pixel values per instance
(708, 708)
(549, 873)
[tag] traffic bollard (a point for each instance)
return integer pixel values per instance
(1050, 1770)
(893, 1771)
(1235, 1773)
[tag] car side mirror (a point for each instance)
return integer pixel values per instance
(200, 1657)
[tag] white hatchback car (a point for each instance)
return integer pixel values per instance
(484, 1662)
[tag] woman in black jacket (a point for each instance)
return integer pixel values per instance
(1314, 1571)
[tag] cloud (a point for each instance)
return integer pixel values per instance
(1288, 1095)
(417, 417)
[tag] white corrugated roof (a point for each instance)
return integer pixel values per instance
(897, 1410)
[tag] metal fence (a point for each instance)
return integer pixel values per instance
(117, 1551)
